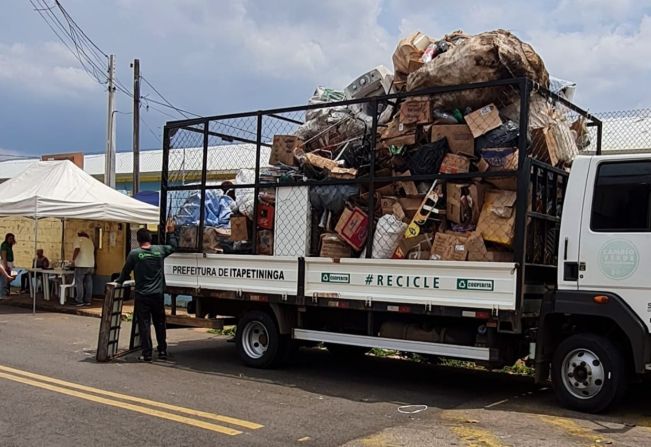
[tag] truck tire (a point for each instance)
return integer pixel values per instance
(259, 343)
(588, 373)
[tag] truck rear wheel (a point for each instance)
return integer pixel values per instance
(588, 373)
(259, 343)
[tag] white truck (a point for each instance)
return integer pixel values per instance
(574, 301)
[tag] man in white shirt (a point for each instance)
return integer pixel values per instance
(83, 259)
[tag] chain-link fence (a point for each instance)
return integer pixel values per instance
(475, 172)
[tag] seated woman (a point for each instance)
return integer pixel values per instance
(39, 262)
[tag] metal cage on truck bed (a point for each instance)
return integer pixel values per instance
(206, 159)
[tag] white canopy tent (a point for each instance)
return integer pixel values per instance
(60, 189)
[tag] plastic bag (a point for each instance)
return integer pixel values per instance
(323, 95)
(331, 197)
(427, 158)
(504, 136)
(217, 209)
(388, 233)
(244, 197)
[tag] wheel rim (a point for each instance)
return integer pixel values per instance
(255, 339)
(583, 373)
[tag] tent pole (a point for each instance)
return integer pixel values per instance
(63, 236)
(35, 248)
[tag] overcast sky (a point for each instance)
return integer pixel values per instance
(212, 57)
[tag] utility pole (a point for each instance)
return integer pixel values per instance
(109, 162)
(136, 126)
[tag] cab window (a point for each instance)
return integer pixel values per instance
(621, 197)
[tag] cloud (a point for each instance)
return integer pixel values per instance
(45, 69)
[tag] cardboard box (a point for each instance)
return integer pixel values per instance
(476, 248)
(459, 137)
(497, 219)
(265, 243)
(483, 120)
(321, 162)
(454, 164)
(343, 173)
(282, 149)
(353, 227)
(411, 204)
(543, 146)
(464, 202)
(420, 244)
(416, 110)
(239, 228)
(500, 256)
(387, 204)
(482, 165)
(266, 214)
(398, 134)
(448, 247)
(333, 247)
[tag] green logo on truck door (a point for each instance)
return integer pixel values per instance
(618, 259)
(339, 278)
(485, 285)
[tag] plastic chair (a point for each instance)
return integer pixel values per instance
(62, 291)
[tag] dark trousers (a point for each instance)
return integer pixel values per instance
(148, 309)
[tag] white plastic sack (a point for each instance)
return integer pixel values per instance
(388, 233)
(245, 197)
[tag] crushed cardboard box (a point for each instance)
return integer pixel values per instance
(239, 228)
(282, 149)
(332, 246)
(416, 110)
(483, 120)
(353, 227)
(419, 244)
(449, 247)
(497, 219)
(459, 137)
(464, 202)
(455, 164)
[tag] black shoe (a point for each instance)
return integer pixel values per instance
(79, 305)
(162, 355)
(143, 358)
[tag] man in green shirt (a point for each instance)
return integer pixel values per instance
(147, 264)
(7, 255)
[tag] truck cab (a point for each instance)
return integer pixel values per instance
(596, 325)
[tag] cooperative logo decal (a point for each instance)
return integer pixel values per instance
(618, 259)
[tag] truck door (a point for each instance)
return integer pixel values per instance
(615, 244)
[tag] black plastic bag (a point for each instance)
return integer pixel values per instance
(427, 159)
(504, 136)
(332, 197)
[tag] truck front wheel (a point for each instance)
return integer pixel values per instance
(259, 343)
(588, 373)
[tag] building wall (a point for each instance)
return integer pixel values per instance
(51, 233)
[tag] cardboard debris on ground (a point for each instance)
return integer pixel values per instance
(353, 227)
(282, 149)
(398, 134)
(459, 137)
(411, 204)
(497, 219)
(455, 164)
(483, 120)
(343, 173)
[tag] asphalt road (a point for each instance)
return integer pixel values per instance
(53, 393)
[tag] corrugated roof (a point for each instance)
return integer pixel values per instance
(227, 158)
